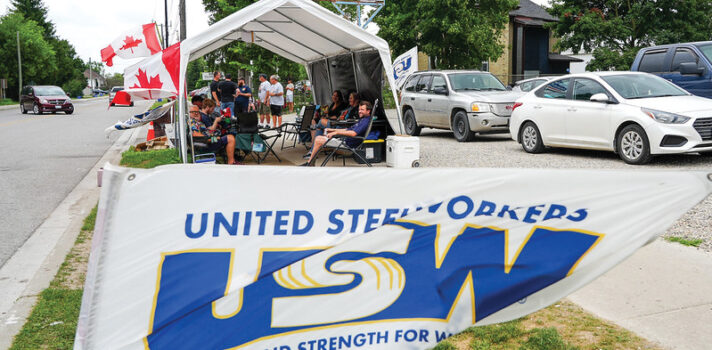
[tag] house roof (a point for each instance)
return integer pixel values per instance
(529, 9)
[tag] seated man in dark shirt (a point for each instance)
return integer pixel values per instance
(358, 129)
(216, 142)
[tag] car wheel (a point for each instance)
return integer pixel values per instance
(531, 138)
(22, 109)
(131, 104)
(69, 111)
(411, 126)
(461, 127)
(633, 146)
(111, 104)
(36, 109)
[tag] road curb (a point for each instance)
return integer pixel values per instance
(30, 270)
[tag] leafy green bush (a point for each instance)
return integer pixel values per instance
(7, 101)
(74, 88)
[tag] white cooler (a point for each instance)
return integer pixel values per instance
(402, 151)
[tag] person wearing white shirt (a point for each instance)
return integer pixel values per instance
(290, 95)
(275, 96)
(264, 104)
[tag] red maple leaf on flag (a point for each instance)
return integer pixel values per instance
(146, 82)
(130, 43)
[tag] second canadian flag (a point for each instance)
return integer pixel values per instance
(139, 42)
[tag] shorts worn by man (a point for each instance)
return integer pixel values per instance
(358, 129)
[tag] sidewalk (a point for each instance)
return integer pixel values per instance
(662, 293)
(34, 265)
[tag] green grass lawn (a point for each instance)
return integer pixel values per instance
(7, 101)
(149, 159)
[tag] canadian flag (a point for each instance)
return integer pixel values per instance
(139, 42)
(156, 76)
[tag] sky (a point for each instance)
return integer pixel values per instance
(90, 25)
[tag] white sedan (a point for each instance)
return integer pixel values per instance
(636, 115)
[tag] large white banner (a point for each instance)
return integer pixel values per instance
(405, 65)
(216, 257)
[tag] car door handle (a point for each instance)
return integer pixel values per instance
(571, 109)
(430, 100)
(537, 107)
(412, 98)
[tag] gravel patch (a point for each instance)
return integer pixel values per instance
(438, 148)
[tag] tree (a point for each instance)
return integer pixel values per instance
(38, 62)
(34, 10)
(117, 79)
(614, 30)
(455, 34)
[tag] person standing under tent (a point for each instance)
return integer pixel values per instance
(227, 90)
(275, 96)
(290, 95)
(214, 87)
(242, 101)
(263, 104)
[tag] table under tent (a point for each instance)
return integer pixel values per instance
(336, 53)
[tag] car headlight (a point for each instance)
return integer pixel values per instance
(68, 100)
(665, 117)
(44, 100)
(480, 107)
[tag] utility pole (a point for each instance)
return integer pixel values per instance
(91, 80)
(165, 8)
(181, 9)
(19, 65)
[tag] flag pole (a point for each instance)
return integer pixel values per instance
(19, 65)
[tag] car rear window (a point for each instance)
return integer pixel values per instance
(652, 61)
(410, 84)
(555, 89)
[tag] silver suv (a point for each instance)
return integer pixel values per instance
(466, 102)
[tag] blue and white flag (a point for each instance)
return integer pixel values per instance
(405, 65)
(368, 258)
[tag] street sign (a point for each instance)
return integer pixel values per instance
(207, 75)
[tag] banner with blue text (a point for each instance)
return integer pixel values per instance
(288, 258)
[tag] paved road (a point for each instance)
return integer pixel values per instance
(42, 158)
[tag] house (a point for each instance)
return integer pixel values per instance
(96, 81)
(528, 46)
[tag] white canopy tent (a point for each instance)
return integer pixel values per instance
(301, 31)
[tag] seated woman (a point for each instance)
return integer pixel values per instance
(352, 111)
(199, 129)
(332, 113)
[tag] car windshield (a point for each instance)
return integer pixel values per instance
(706, 50)
(49, 91)
(475, 82)
(632, 86)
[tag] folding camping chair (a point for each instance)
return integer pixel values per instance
(249, 135)
(300, 126)
(344, 147)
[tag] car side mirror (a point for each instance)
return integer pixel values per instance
(441, 91)
(509, 88)
(691, 68)
(600, 97)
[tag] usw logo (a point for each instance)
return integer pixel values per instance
(402, 271)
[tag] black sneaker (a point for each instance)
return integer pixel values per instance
(307, 156)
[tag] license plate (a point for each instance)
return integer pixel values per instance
(58, 107)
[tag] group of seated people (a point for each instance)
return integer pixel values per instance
(204, 122)
(323, 133)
